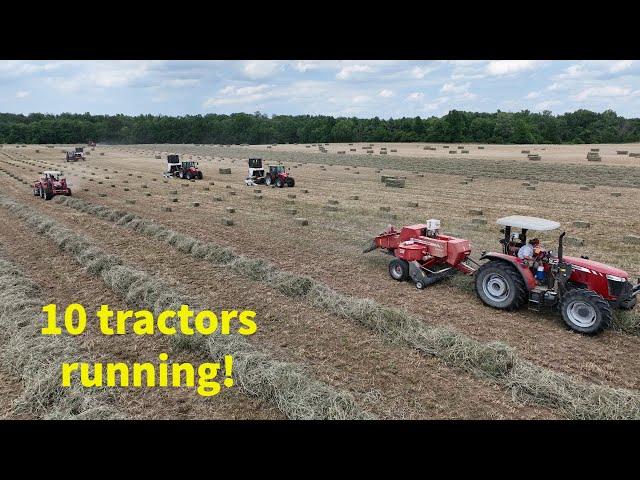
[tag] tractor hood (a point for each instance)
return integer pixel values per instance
(596, 266)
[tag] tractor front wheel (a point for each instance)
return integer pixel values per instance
(399, 269)
(500, 285)
(48, 195)
(68, 194)
(585, 311)
(41, 193)
(36, 192)
(267, 181)
(279, 183)
(188, 176)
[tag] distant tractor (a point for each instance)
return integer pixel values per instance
(278, 176)
(92, 144)
(75, 155)
(187, 170)
(50, 184)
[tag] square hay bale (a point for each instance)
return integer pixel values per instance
(531, 187)
(354, 197)
(595, 149)
(622, 152)
(393, 150)
(395, 182)
(525, 184)
(291, 195)
(616, 194)
(476, 211)
(584, 188)
(174, 200)
(289, 201)
(420, 175)
(227, 222)
(333, 202)
(292, 211)
(634, 155)
(534, 157)
(258, 197)
(331, 208)
(453, 151)
(464, 151)
(130, 201)
(411, 204)
(631, 239)
(166, 209)
(196, 204)
(217, 199)
(230, 210)
(385, 209)
(224, 171)
(304, 190)
(480, 147)
(352, 150)
(102, 194)
(525, 151)
(341, 152)
(158, 157)
(574, 241)
(581, 224)
(232, 193)
(479, 221)
(211, 183)
(302, 221)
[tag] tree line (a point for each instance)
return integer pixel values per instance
(581, 126)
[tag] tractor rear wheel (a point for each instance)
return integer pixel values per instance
(500, 285)
(399, 269)
(199, 175)
(585, 311)
(290, 182)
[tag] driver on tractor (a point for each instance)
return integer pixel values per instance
(531, 250)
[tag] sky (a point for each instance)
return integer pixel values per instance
(358, 88)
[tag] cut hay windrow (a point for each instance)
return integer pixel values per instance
(36, 359)
(290, 387)
(493, 360)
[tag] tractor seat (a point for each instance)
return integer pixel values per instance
(514, 248)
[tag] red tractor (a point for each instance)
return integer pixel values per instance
(51, 184)
(584, 291)
(278, 176)
(186, 170)
(75, 155)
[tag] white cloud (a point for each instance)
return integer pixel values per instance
(507, 67)
(19, 67)
(545, 105)
(303, 66)
(415, 96)
(453, 88)
(180, 82)
(22, 94)
(361, 99)
(347, 71)
(386, 93)
(621, 66)
(601, 92)
(532, 95)
(260, 69)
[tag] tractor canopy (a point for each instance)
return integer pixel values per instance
(190, 165)
(528, 223)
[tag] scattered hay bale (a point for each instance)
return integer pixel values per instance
(291, 195)
(574, 241)
(230, 210)
(584, 188)
(479, 221)
(258, 197)
(166, 209)
(341, 152)
(616, 194)
(526, 184)
(217, 199)
(534, 157)
(453, 151)
(196, 204)
(395, 182)
(634, 155)
(331, 208)
(352, 150)
(393, 150)
(480, 147)
(525, 151)
(464, 151)
(411, 204)
(257, 190)
(593, 157)
(158, 157)
(460, 147)
(174, 200)
(354, 197)
(130, 202)
(581, 224)
(333, 202)
(227, 222)
(531, 187)
(302, 221)
(224, 171)
(622, 152)
(385, 209)
(631, 239)
(595, 149)
(475, 211)
(292, 211)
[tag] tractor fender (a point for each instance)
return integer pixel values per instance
(524, 270)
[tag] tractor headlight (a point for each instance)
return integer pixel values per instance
(616, 278)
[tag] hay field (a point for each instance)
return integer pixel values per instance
(385, 371)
